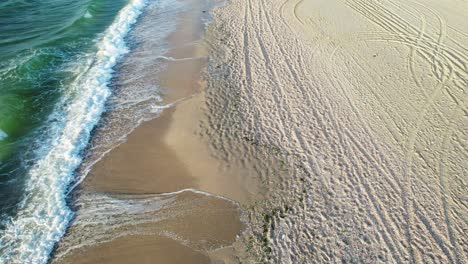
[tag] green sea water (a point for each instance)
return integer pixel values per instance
(37, 39)
(65, 96)
(41, 43)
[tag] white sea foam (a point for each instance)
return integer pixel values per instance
(3, 135)
(87, 15)
(180, 59)
(43, 215)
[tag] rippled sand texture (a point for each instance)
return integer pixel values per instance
(366, 100)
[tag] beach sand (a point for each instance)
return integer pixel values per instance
(366, 100)
(334, 129)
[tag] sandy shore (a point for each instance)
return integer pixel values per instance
(334, 129)
(162, 166)
(168, 154)
(182, 227)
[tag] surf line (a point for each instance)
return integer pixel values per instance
(43, 215)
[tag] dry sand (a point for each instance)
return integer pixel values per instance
(365, 102)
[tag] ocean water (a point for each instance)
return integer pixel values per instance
(57, 63)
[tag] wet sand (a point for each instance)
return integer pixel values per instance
(182, 227)
(139, 249)
(169, 154)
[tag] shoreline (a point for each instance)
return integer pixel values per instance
(338, 140)
(161, 157)
(174, 144)
(41, 214)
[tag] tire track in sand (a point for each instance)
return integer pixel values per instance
(353, 182)
(436, 62)
(372, 198)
